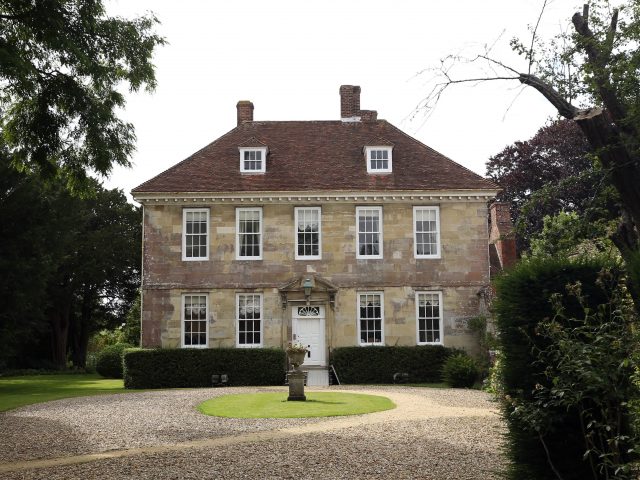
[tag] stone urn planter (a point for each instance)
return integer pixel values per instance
(296, 353)
(297, 358)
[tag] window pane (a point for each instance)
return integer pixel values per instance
(379, 159)
(249, 235)
(195, 320)
(249, 319)
(370, 308)
(307, 231)
(429, 317)
(426, 231)
(368, 232)
(196, 235)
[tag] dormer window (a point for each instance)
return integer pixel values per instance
(379, 159)
(253, 160)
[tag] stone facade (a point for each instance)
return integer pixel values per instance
(194, 296)
(459, 274)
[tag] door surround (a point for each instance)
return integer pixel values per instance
(314, 314)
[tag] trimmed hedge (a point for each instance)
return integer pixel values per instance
(109, 360)
(522, 301)
(378, 364)
(187, 368)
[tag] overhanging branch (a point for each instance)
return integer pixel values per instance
(565, 108)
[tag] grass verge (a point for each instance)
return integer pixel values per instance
(275, 405)
(25, 390)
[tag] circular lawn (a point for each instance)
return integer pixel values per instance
(275, 405)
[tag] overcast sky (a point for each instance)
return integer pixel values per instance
(290, 57)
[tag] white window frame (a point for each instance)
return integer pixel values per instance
(183, 320)
(251, 345)
(263, 161)
(440, 321)
(185, 211)
(387, 149)
(382, 337)
(380, 236)
(295, 228)
(436, 209)
(243, 209)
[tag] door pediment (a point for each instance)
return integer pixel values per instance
(322, 291)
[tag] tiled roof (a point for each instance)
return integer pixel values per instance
(314, 156)
(251, 142)
(378, 142)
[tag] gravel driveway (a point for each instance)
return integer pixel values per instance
(432, 434)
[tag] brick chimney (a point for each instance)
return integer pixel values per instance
(368, 115)
(349, 102)
(245, 111)
(502, 242)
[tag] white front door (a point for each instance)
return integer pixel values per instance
(308, 329)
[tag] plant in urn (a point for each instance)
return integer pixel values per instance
(296, 353)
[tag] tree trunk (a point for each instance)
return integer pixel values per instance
(59, 321)
(616, 158)
(623, 167)
(81, 329)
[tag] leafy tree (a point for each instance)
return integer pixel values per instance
(591, 76)
(97, 273)
(131, 328)
(553, 172)
(62, 63)
(25, 262)
(106, 266)
(567, 234)
(68, 266)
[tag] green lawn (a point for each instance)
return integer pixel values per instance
(275, 405)
(25, 390)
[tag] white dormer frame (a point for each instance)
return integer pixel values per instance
(263, 159)
(383, 148)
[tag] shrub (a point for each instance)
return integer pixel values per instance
(90, 364)
(551, 439)
(104, 338)
(460, 371)
(493, 383)
(188, 368)
(109, 360)
(378, 364)
(484, 332)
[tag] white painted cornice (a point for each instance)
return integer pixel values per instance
(310, 197)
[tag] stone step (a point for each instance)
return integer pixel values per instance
(317, 377)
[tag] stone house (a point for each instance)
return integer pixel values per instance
(330, 233)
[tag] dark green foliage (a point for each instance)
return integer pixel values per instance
(109, 361)
(63, 64)
(553, 172)
(131, 327)
(590, 364)
(187, 368)
(523, 301)
(25, 266)
(460, 371)
(633, 271)
(378, 364)
(68, 266)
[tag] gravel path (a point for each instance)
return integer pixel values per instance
(433, 434)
